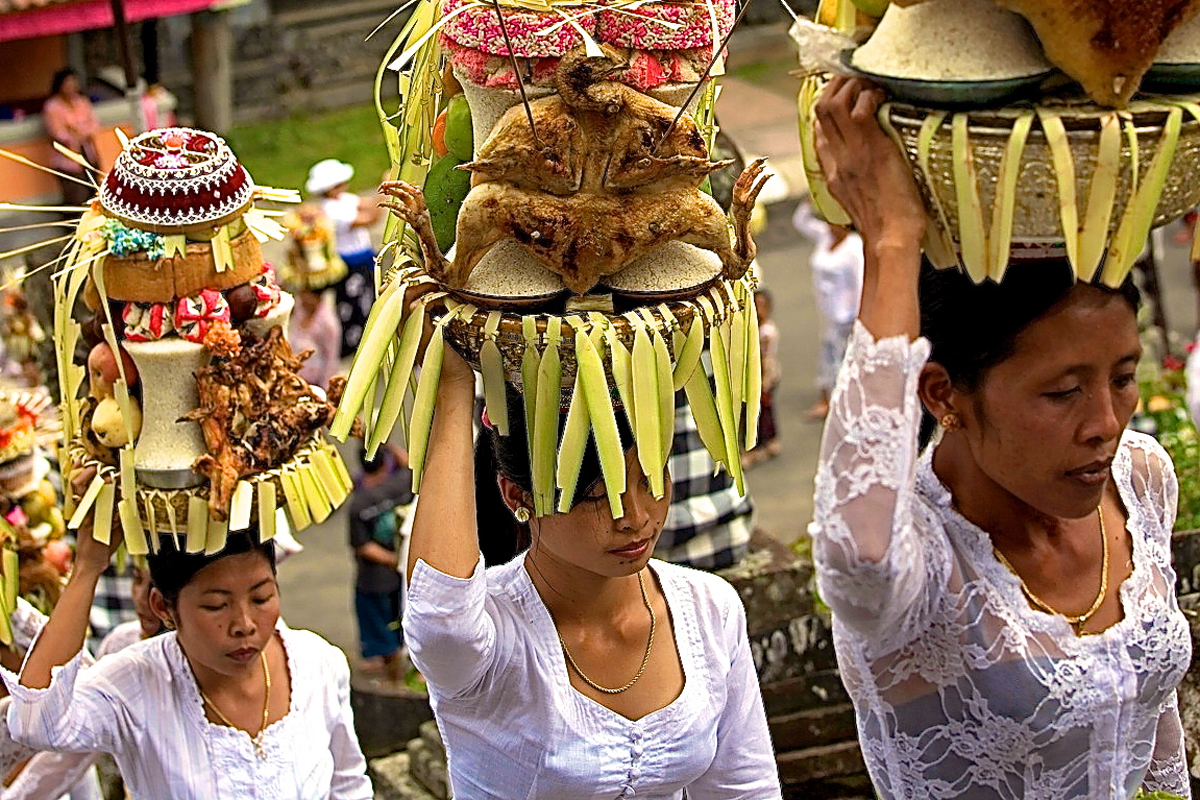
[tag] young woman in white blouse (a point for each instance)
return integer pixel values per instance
(1003, 602)
(579, 669)
(228, 703)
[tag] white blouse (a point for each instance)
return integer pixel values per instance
(962, 690)
(515, 728)
(143, 706)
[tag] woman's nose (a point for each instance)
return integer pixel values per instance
(1102, 422)
(243, 621)
(636, 502)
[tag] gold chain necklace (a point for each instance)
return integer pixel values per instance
(256, 739)
(1076, 621)
(645, 658)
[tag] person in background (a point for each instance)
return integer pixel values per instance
(837, 275)
(314, 326)
(352, 216)
(385, 484)
(70, 120)
(709, 522)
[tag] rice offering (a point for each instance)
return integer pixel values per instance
(674, 267)
(952, 40)
(508, 271)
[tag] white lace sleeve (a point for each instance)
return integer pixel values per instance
(873, 564)
(1168, 765)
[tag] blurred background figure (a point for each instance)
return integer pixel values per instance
(70, 120)
(375, 520)
(352, 217)
(314, 326)
(837, 275)
(312, 256)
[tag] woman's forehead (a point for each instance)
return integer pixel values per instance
(1089, 326)
(239, 572)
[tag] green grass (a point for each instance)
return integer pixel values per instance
(279, 153)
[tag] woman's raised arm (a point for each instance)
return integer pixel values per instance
(872, 180)
(444, 530)
(65, 632)
(875, 568)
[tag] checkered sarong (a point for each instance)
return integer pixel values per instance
(113, 604)
(709, 523)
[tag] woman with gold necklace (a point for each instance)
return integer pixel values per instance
(581, 668)
(1003, 602)
(228, 703)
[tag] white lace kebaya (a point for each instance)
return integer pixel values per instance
(961, 688)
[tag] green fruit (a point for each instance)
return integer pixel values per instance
(872, 8)
(460, 138)
(35, 507)
(445, 189)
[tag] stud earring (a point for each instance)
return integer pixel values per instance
(522, 514)
(951, 421)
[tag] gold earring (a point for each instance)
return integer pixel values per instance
(522, 514)
(951, 421)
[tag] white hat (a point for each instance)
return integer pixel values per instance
(327, 174)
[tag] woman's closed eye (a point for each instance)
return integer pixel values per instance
(1063, 394)
(1125, 381)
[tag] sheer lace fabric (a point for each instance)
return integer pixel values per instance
(961, 688)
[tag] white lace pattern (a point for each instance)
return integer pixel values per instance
(962, 690)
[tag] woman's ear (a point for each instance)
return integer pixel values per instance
(513, 495)
(936, 391)
(160, 607)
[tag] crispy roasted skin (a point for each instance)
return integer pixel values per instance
(1106, 45)
(604, 175)
(255, 411)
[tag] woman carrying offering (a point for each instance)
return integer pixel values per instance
(579, 669)
(228, 703)
(1004, 610)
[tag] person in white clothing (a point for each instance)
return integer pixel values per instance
(581, 668)
(352, 217)
(837, 274)
(1004, 609)
(227, 703)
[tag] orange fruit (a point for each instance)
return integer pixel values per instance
(439, 134)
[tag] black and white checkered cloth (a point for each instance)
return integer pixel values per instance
(113, 604)
(709, 523)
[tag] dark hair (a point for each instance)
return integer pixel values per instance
(60, 77)
(973, 327)
(172, 569)
(500, 536)
(373, 465)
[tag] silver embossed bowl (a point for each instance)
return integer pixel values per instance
(1036, 215)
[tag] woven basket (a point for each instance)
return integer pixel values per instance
(1037, 216)
(165, 511)
(466, 333)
